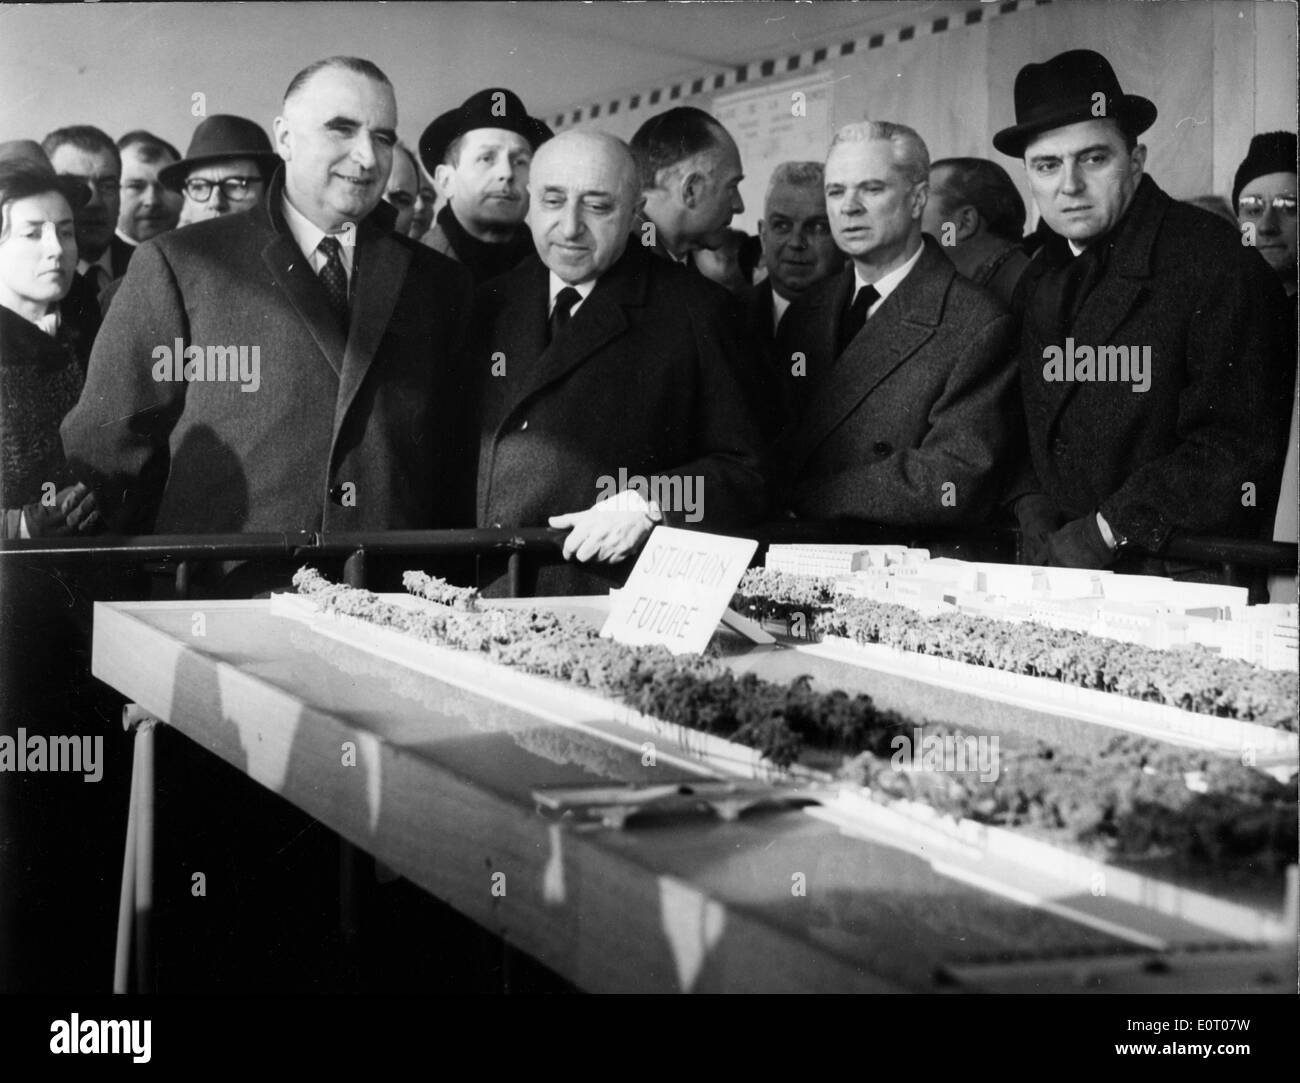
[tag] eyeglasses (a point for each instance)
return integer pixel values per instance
(1255, 206)
(235, 189)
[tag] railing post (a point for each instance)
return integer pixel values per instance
(515, 574)
(354, 570)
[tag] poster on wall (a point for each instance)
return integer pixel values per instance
(787, 122)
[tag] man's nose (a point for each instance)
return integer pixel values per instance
(220, 199)
(571, 222)
(96, 196)
(798, 240)
(363, 150)
(737, 204)
(1270, 221)
(1072, 178)
(153, 195)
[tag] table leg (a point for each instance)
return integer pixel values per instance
(135, 902)
(145, 745)
(126, 901)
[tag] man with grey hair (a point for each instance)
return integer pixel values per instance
(899, 369)
(613, 393)
(340, 331)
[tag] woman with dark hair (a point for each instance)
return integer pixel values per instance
(40, 371)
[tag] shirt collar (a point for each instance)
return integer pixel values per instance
(125, 239)
(779, 305)
(105, 261)
(557, 283)
(307, 234)
(886, 284)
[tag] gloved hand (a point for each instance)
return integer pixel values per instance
(1079, 544)
(73, 512)
(610, 530)
(1038, 518)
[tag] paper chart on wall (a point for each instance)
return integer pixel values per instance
(787, 122)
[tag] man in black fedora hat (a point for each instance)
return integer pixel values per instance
(225, 169)
(1154, 399)
(478, 155)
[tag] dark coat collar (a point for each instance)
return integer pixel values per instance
(380, 266)
(602, 318)
(901, 326)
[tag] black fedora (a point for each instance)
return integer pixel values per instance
(222, 136)
(495, 107)
(1065, 90)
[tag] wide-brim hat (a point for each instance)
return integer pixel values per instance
(1074, 86)
(495, 107)
(222, 136)
(76, 192)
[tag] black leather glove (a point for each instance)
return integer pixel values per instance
(1079, 544)
(1038, 518)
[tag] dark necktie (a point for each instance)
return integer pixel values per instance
(856, 315)
(563, 310)
(334, 278)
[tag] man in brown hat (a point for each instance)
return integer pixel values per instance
(1149, 354)
(224, 171)
(479, 156)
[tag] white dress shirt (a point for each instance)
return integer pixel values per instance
(308, 236)
(125, 239)
(885, 284)
(779, 305)
(557, 284)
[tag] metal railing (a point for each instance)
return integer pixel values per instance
(1234, 556)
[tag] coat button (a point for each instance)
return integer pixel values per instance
(881, 448)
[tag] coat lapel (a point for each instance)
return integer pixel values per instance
(1122, 286)
(293, 274)
(597, 322)
(902, 325)
(381, 269)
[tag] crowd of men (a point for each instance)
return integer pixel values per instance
(328, 330)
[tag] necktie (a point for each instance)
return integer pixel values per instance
(563, 310)
(856, 315)
(334, 278)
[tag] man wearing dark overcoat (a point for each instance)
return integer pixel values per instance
(284, 369)
(899, 368)
(613, 393)
(1153, 376)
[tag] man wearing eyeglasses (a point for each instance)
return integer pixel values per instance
(1264, 196)
(317, 344)
(224, 171)
(1151, 361)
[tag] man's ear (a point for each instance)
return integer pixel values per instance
(691, 187)
(1138, 161)
(442, 175)
(283, 139)
(920, 196)
(967, 221)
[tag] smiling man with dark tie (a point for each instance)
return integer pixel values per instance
(314, 347)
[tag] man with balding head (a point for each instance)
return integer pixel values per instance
(282, 369)
(613, 396)
(690, 175)
(901, 371)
